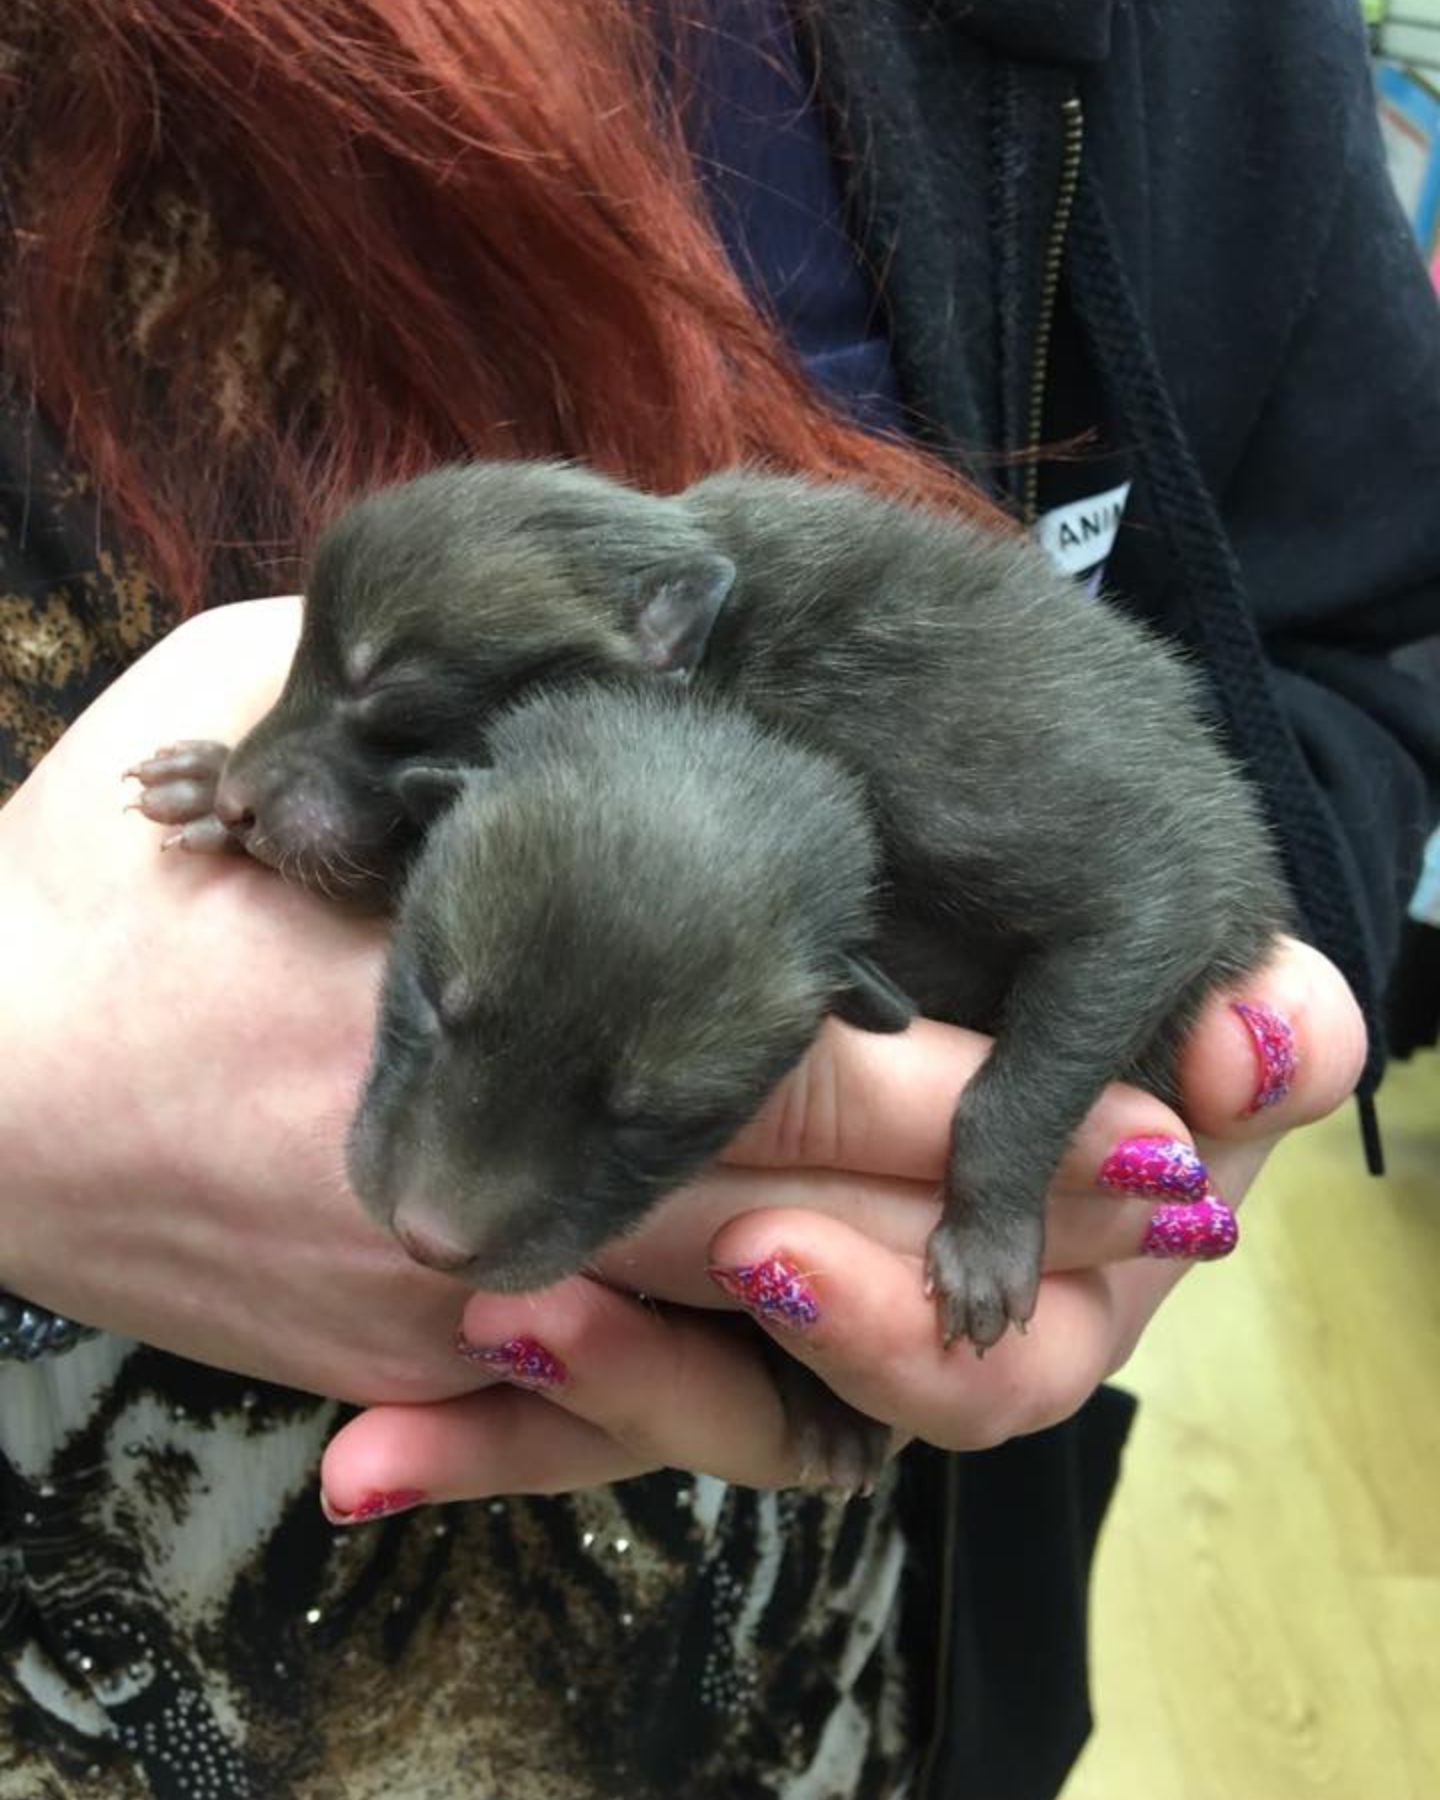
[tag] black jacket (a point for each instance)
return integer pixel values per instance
(1241, 311)
(1169, 224)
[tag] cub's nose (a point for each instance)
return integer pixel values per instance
(426, 1245)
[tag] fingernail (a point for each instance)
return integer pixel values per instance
(1275, 1053)
(524, 1361)
(1155, 1165)
(374, 1506)
(1197, 1231)
(774, 1289)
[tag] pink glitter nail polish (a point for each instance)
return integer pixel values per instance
(522, 1361)
(375, 1506)
(1275, 1053)
(775, 1290)
(1197, 1231)
(1155, 1165)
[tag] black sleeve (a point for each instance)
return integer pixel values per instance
(1334, 513)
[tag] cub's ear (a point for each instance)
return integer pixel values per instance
(870, 999)
(676, 605)
(425, 790)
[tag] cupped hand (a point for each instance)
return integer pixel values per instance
(815, 1224)
(181, 1044)
(185, 1042)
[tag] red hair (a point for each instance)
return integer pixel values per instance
(476, 216)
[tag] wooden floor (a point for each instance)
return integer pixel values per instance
(1267, 1609)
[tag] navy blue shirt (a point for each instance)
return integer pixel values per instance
(758, 142)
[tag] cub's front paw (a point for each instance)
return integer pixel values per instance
(984, 1273)
(177, 787)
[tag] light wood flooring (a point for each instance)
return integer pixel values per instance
(1267, 1604)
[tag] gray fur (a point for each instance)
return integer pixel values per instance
(1072, 861)
(613, 945)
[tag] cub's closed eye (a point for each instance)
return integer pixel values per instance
(393, 721)
(656, 1140)
(634, 1144)
(640, 1138)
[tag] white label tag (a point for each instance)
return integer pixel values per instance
(1080, 535)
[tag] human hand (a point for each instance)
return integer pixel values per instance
(820, 1213)
(182, 1042)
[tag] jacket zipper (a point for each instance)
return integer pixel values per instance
(1072, 124)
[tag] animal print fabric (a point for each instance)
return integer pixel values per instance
(178, 1620)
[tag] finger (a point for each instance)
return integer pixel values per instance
(500, 1441)
(1103, 1208)
(669, 1385)
(877, 1105)
(1087, 1231)
(882, 1104)
(1281, 1049)
(856, 1314)
(1082, 1231)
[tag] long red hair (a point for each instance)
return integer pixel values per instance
(426, 229)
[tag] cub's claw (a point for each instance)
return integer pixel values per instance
(208, 837)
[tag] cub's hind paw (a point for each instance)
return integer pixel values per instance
(177, 787)
(835, 1446)
(984, 1278)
